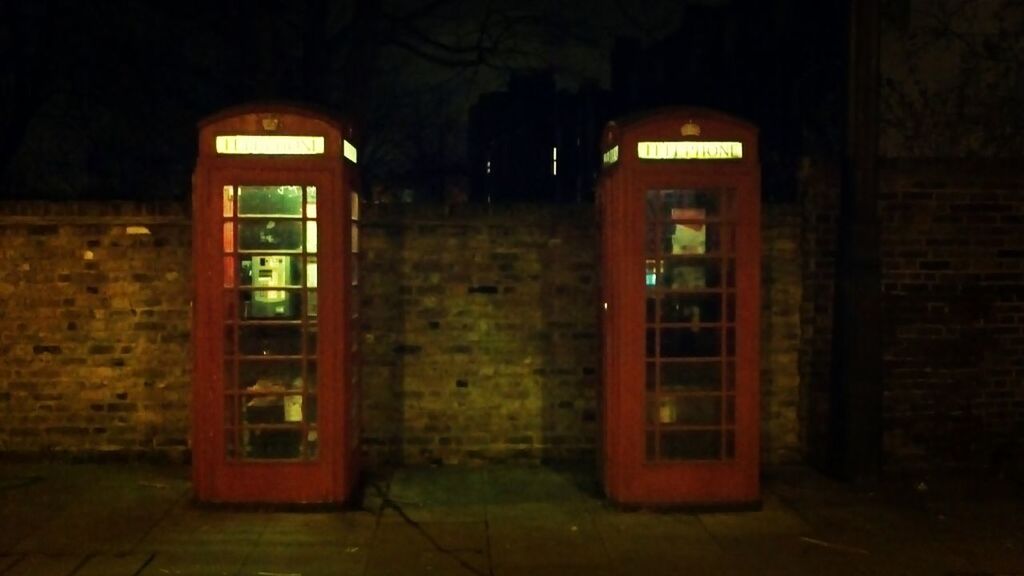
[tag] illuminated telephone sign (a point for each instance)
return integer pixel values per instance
(689, 150)
(270, 145)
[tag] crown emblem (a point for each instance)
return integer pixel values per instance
(269, 123)
(691, 128)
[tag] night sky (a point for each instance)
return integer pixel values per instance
(101, 99)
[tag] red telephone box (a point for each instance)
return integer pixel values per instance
(275, 237)
(680, 221)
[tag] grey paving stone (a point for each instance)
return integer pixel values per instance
(305, 560)
(44, 565)
(113, 565)
(211, 562)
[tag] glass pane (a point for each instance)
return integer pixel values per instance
(730, 375)
(270, 201)
(730, 410)
(229, 201)
(312, 303)
(311, 411)
(311, 341)
(730, 315)
(730, 444)
(682, 239)
(311, 236)
(272, 444)
(699, 410)
(691, 308)
(691, 274)
(730, 342)
(229, 271)
(293, 408)
(270, 271)
(270, 304)
(691, 444)
(263, 409)
(355, 239)
(652, 343)
(653, 271)
(669, 203)
(663, 410)
(355, 206)
(269, 376)
(310, 201)
(354, 271)
(652, 446)
(652, 375)
(256, 340)
(229, 236)
(311, 376)
(311, 272)
(691, 376)
(283, 235)
(312, 444)
(690, 343)
(652, 307)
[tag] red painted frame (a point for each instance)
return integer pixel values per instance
(628, 477)
(331, 477)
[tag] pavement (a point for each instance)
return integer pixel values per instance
(136, 519)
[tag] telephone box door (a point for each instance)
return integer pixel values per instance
(272, 385)
(681, 289)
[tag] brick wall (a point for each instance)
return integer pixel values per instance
(94, 313)
(781, 329)
(480, 331)
(952, 304)
(480, 334)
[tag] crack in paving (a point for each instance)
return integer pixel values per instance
(386, 502)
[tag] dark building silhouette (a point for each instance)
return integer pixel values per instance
(535, 143)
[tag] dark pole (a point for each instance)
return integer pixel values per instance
(856, 426)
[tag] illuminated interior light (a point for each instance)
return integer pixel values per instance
(350, 152)
(689, 150)
(133, 230)
(554, 153)
(611, 156)
(270, 145)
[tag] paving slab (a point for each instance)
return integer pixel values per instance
(114, 565)
(429, 548)
(305, 560)
(676, 538)
(210, 562)
(196, 529)
(44, 565)
(341, 530)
